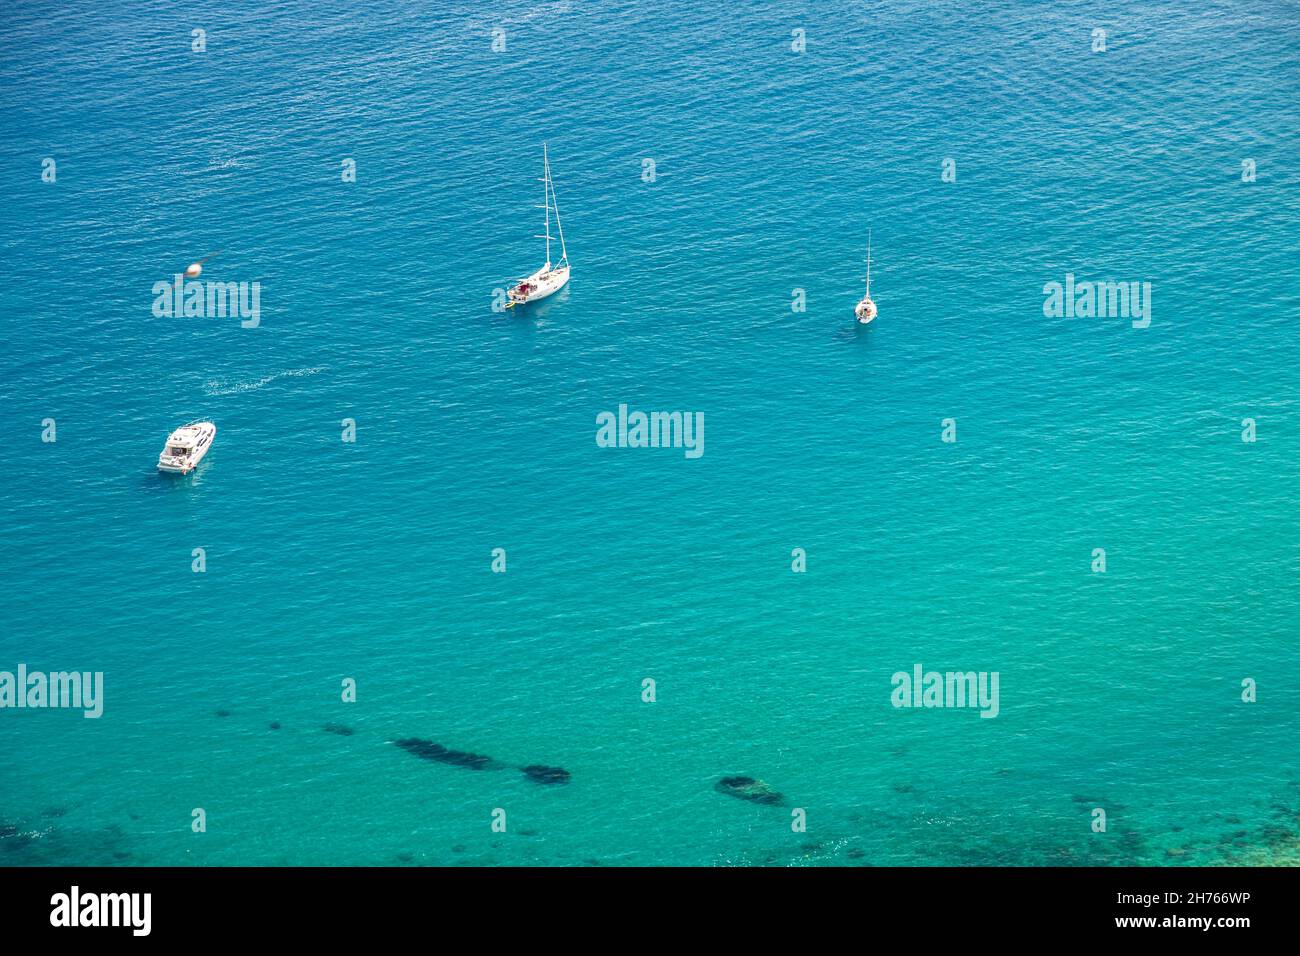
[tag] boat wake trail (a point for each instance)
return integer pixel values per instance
(218, 387)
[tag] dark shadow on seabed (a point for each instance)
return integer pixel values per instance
(54, 837)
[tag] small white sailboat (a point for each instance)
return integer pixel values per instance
(186, 447)
(549, 279)
(866, 309)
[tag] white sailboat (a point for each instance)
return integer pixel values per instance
(866, 309)
(549, 279)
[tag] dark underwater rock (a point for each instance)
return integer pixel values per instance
(1282, 810)
(1273, 835)
(275, 725)
(428, 750)
(338, 729)
(54, 812)
(540, 773)
(222, 713)
(747, 788)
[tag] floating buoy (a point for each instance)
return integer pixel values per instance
(194, 268)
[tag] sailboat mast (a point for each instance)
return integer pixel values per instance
(868, 263)
(546, 199)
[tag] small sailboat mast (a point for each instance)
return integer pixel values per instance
(868, 263)
(546, 203)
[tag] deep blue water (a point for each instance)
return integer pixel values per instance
(475, 430)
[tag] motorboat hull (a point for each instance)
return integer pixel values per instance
(865, 311)
(201, 434)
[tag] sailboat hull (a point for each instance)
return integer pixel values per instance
(542, 283)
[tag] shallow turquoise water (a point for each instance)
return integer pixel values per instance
(475, 430)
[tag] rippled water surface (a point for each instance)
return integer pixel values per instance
(475, 430)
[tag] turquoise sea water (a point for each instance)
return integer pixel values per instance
(475, 430)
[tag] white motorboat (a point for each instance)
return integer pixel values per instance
(550, 278)
(186, 447)
(865, 310)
